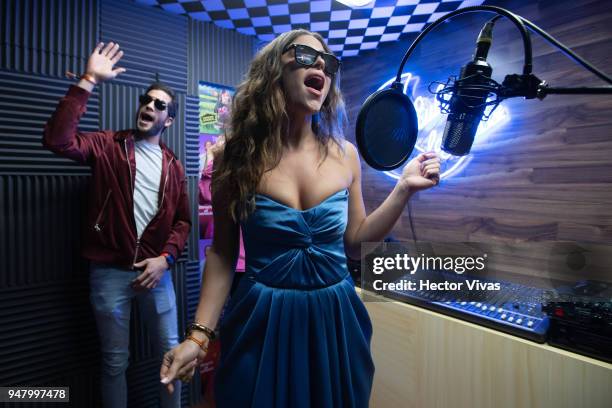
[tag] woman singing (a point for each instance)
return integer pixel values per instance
(295, 333)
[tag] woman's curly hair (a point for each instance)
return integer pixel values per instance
(254, 139)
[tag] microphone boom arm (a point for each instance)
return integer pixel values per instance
(530, 86)
(527, 84)
(518, 21)
(583, 90)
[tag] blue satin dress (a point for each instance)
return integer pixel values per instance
(295, 333)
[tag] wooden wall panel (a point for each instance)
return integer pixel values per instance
(546, 175)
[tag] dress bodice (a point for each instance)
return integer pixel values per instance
(280, 240)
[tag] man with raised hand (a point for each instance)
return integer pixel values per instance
(137, 220)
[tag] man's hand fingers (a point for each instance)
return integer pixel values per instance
(98, 48)
(114, 52)
(149, 282)
(141, 263)
(108, 47)
(153, 284)
(118, 71)
(152, 276)
(117, 57)
(140, 279)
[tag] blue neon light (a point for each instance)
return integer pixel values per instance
(431, 128)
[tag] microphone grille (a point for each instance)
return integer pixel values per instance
(459, 133)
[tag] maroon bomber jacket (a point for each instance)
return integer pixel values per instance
(110, 228)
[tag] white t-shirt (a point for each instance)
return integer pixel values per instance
(148, 179)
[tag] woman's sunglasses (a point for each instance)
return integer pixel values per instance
(307, 56)
(159, 104)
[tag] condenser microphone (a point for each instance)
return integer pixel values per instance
(387, 125)
(468, 101)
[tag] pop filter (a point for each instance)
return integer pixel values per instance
(387, 128)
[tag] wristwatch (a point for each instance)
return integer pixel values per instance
(169, 259)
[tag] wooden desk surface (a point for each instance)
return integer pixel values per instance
(425, 359)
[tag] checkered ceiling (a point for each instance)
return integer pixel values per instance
(347, 30)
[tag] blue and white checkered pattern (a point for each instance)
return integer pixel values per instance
(346, 30)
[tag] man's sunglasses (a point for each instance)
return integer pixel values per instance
(159, 104)
(307, 56)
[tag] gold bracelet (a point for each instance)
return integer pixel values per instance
(200, 327)
(89, 78)
(198, 342)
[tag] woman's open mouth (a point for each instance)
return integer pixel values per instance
(314, 84)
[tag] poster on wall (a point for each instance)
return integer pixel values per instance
(215, 102)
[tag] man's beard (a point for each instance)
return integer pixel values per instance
(156, 128)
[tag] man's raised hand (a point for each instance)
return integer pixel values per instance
(101, 63)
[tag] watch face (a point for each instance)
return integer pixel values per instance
(170, 260)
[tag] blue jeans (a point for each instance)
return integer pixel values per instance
(111, 297)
